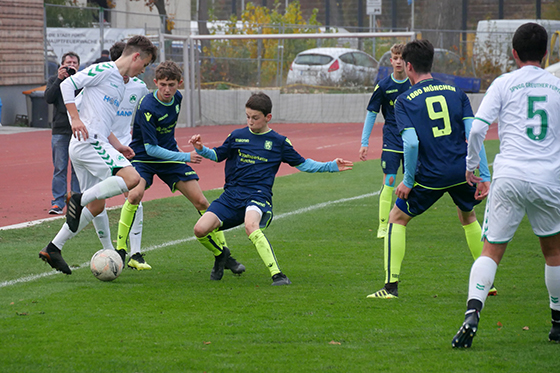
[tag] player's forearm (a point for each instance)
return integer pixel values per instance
(207, 153)
(368, 127)
(476, 139)
(410, 150)
(157, 151)
(312, 166)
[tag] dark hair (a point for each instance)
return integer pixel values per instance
(261, 102)
(104, 52)
(530, 41)
(141, 44)
(116, 50)
(420, 53)
(71, 54)
(168, 70)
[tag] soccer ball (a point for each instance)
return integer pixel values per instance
(106, 265)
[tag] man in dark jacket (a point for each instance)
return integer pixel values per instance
(61, 134)
(104, 57)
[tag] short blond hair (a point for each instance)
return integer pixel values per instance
(397, 48)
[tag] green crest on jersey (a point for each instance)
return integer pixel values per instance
(133, 98)
(268, 145)
(177, 109)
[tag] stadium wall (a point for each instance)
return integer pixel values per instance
(222, 107)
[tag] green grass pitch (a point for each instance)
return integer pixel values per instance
(175, 319)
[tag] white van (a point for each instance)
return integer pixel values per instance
(492, 44)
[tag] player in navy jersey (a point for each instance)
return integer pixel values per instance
(253, 155)
(434, 120)
(384, 96)
(157, 153)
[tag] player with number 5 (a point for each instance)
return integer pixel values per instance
(434, 120)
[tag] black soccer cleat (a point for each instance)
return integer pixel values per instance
(122, 254)
(74, 211)
(219, 265)
(280, 279)
(234, 266)
(554, 335)
(51, 254)
(465, 335)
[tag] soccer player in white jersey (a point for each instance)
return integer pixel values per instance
(102, 170)
(135, 89)
(526, 172)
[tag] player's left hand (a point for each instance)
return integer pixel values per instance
(127, 152)
(402, 191)
(343, 165)
(195, 157)
(472, 178)
(482, 190)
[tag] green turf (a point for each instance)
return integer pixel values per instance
(174, 319)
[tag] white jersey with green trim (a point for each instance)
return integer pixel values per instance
(526, 103)
(135, 89)
(104, 90)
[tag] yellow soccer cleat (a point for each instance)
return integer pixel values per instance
(137, 262)
(382, 231)
(389, 291)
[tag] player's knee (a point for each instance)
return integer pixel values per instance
(200, 231)
(390, 180)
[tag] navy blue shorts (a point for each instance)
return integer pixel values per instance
(420, 199)
(169, 173)
(231, 205)
(391, 161)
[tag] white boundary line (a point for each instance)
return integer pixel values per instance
(171, 243)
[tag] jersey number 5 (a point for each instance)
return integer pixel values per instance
(443, 114)
(531, 113)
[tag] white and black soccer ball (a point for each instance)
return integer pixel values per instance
(106, 265)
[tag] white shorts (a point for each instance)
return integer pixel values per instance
(94, 161)
(508, 202)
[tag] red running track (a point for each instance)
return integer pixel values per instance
(26, 167)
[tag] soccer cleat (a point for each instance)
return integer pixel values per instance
(55, 210)
(493, 291)
(382, 231)
(51, 254)
(122, 253)
(467, 331)
(280, 279)
(137, 262)
(219, 265)
(74, 211)
(554, 335)
(389, 291)
(234, 266)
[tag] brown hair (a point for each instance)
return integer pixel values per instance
(397, 48)
(169, 70)
(261, 102)
(141, 44)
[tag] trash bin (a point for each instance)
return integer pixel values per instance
(37, 108)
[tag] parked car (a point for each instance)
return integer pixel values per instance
(333, 67)
(447, 67)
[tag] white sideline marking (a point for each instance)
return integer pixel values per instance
(192, 238)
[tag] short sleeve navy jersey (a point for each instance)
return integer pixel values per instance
(384, 96)
(436, 111)
(154, 124)
(253, 159)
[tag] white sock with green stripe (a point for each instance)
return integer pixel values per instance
(482, 276)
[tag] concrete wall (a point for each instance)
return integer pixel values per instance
(221, 107)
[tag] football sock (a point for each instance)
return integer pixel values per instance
(552, 280)
(473, 232)
(265, 251)
(481, 279)
(64, 234)
(394, 248)
(103, 230)
(135, 235)
(127, 216)
(385, 202)
(211, 243)
(110, 187)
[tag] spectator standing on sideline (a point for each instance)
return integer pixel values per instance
(384, 96)
(526, 172)
(61, 134)
(105, 57)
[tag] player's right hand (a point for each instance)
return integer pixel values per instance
(472, 178)
(363, 153)
(195, 157)
(79, 129)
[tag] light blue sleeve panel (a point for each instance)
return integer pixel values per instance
(167, 155)
(368, 127)
(483, 165)
(312, 166)
(410, 149)
(207, 153)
